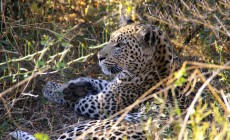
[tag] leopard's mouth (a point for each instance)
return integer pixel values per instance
(114, 69)
(110, 69)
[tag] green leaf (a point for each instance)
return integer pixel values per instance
(148, 106)
(4, 67)
(182, 79)
(65, 44)
(46, 37)
(44, 43)
(40, 63)
(41, 136)
(45, 40)
(60, 65)
(129, 9)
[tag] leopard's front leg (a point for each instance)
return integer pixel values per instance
(78, 88)
(72, 91)
(96, 84)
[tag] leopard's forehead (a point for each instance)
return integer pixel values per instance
(124, 32)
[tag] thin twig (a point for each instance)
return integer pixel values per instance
(23, 82)
(98, 46)
(222, 25)
(83, 58)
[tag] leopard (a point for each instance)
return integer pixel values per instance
(138, 56)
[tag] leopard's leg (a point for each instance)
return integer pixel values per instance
(21, 135)
(73, 90)
(96, 84)
(54, 92)
(83, 86)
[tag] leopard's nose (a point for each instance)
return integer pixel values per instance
(101, 58)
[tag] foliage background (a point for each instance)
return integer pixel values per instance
(65, 35)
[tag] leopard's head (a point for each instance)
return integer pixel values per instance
(131, 48)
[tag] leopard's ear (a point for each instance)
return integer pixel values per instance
(125, 21)
(146, 33)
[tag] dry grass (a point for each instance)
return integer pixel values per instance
(37, 34)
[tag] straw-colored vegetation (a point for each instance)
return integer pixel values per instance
(58, 39)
